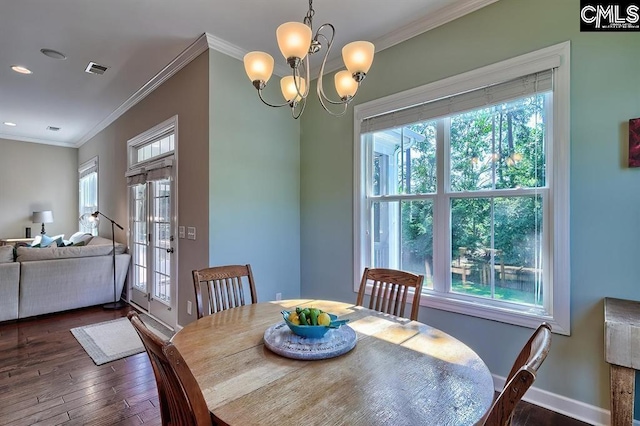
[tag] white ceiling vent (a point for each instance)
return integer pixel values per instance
(94, 68)
(53, 129)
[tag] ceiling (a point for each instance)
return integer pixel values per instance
(138, 39)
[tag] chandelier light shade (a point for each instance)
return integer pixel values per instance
(291, 91)
(358, 56)
(294, 39)
(259, 66)
(298, 43)
(346, 85)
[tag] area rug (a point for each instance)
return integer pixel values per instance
(111, 340)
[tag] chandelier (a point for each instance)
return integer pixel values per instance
(297, 43)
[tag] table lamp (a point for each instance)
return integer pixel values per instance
(43, 217)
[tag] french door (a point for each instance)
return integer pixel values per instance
(152, 228)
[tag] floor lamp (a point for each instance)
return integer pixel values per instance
(91, 220)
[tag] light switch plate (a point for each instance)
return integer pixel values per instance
(181, 233)
(191, 232)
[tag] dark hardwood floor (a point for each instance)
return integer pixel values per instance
(46, 378)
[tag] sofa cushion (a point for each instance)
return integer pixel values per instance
(99, 241)
(26, 254)
(6, 254)
(80, 237)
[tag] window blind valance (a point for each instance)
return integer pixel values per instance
(88, 167)
(155, 171)
(530, 84)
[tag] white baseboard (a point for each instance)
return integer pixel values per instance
(569, 407)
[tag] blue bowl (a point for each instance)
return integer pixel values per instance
(309, 331)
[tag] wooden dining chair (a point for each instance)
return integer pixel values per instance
(390, 291)
(521, 377)
(181, 400)
(225, 288)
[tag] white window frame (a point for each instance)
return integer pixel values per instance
(558, 168)
(85, 169)
(147, 169)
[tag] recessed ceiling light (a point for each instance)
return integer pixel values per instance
(10, 124)
(21, 69)
(53, 54)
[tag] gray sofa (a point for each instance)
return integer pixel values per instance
(9, 284)
(53, 279)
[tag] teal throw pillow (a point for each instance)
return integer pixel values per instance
(46, 241)
(59, 242)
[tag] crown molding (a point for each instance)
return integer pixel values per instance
(439, 17)
(234, 51)
(36, 140)
(209, 41)
(189, 54)
(204, 42)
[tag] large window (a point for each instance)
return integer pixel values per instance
(88, 191)
(466, 182)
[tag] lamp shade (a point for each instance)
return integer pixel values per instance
(288, 87)
(90, 220)
(43, 217)
(346, 86)
(259, 66)
(358, 56)
(294, 39)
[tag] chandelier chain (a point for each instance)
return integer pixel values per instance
(308, 19)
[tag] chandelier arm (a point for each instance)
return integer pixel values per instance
(302, 104)
(324, 99)
(296, 77)
(268, 104)
(319, 87)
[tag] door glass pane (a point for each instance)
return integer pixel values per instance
(161, 220)
(402, 237)
(139, 237)
(496, 248)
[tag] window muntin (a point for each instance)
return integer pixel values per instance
(531, 182)
(154, 149)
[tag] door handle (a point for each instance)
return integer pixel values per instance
(170, 250)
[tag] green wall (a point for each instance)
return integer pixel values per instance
(254, 184)
(605, 194)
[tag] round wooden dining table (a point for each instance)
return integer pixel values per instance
(400, 372)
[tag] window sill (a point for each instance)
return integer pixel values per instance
(463, 305)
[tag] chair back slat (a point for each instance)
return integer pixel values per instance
(225, 288)
(521, 377)
(181, 399)
(390, 290)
